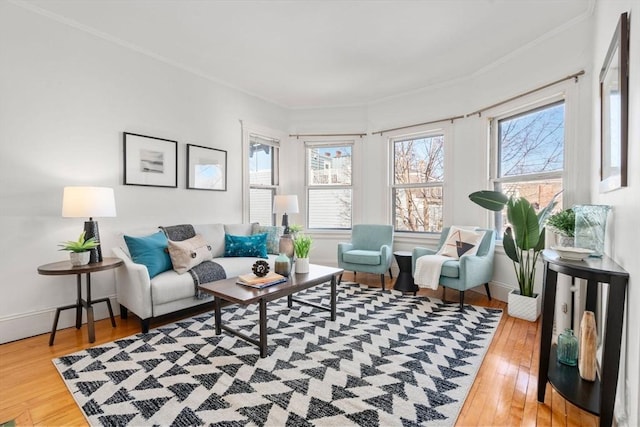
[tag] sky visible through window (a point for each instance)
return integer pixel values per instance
(532, 142)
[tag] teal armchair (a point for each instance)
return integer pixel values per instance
(369, 251)
(467, 272)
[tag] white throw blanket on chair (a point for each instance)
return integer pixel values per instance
(428, 268)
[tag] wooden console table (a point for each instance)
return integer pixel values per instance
(64, 268)
(596, 397)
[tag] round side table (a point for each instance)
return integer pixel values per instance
(63, 268)
(404, 282)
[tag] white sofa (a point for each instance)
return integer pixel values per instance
(169, 291)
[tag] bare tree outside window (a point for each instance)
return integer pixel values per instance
(418, 175)
(530, 156)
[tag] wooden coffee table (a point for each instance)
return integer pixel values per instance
(229, 290)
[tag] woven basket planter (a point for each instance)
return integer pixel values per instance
(526, 308)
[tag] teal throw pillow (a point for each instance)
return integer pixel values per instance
(150, 251)
(273, 236)
(245, 246)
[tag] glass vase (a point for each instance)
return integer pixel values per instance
(282, 265)
(591, 222)
(568, 348)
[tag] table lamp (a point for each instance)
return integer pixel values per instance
(285, 205)
(82, 202)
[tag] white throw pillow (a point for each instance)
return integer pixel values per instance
(461, 242)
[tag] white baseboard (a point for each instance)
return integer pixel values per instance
(26, 325)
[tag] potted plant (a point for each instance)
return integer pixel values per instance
(523, 241)
(563, 224)
(301, 246)
(79, 249)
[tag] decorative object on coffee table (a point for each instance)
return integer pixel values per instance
(282, 265)
(260, 268)
(83, 202)
(588, 343)
(302, 246)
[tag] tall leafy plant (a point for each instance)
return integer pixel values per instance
(524, 239)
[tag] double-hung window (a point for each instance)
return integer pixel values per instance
(329, 185)
(263, 177)
(417, 182)
(529, 155)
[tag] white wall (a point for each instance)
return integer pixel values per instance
(66, 96)
(622, 234)
(466, 169)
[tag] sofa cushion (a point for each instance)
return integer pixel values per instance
(150, 251)
(273, 236)
(188, 253)
(245, 246)
(359, 256)
(214, 235)
(460, 242)
(238, 229)
(170, 286)
(451, 269)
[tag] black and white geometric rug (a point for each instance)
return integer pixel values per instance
(388, 359)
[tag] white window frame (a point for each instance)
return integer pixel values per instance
(393, 186)
(267, 136)
(526, 106)
(330, 144)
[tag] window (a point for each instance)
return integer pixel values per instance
(417, 183)
(530, 155)
(263, 178)
(329, 185)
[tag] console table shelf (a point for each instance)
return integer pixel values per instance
(597, 397)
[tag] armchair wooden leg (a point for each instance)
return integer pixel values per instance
(382, 281)
(486, 288)
(339, 279)
(390, 274)
(461, 300)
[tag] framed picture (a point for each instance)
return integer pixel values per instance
(614, 110)
(206, 168)
(150, 161)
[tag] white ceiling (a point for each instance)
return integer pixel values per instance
(302, 54)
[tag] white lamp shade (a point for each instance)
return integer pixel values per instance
(285, 204)
(82, 202)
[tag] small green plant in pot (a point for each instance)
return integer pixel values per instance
(524, 239)
(301, 247)
(79, 249)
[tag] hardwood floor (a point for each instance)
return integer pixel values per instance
(503, 394)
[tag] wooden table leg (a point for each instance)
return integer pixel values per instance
(548, 306)
(334, 298)
(79, 301)
(217, 314)
(263, 328)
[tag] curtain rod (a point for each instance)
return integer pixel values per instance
(479, 112)
(572, 76)
(298, 135)
(418, 124)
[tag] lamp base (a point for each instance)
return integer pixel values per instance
(91, 230)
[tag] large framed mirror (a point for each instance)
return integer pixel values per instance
(614, 110)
